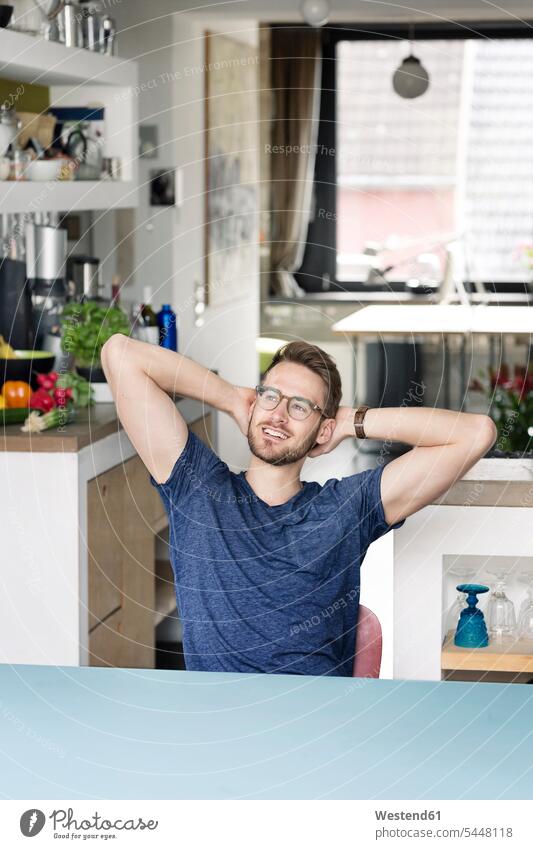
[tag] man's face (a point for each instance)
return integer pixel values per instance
(296, 438)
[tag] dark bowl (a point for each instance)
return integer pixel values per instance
(94, 373)
(5, 15)
(26, 365)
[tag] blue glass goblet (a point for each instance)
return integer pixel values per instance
(471, 630)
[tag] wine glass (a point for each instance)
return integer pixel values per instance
(466, 573)
(501, 614)
(525, 616)
(471, 630)
(526, 577)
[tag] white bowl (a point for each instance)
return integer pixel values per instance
(41, 170)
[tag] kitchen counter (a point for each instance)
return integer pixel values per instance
(92, 424)
(80, 520)
(442, 319)
(195, 735)
(482, 523)
(494, 482)
(375, 296)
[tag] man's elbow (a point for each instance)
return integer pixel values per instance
(486, 433)
(113, 351)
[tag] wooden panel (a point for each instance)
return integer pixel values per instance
(143, 500)
(105, 516)
(121, 568)
(106, 643)
(139, 564)
(124, 511)
(165, 596)
(512, 656)
(487, 677)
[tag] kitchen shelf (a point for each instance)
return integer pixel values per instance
(76, 77)
(63, 196)
(32, 59)
(514, 656)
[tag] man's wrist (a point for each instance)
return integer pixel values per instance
(349, 423)
(359, 421)
(346, 426)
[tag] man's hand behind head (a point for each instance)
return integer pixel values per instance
(241, 406)
(343, 428)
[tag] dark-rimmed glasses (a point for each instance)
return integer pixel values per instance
(298, 408)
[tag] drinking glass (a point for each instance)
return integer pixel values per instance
(501, 614)
(526, 577)
(525, 616)
(466, 574)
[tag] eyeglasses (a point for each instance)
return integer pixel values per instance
(268, 398)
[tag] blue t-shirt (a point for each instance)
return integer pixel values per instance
(261, 588)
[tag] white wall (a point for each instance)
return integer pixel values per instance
(226, 341)
(151, 44)
(168, 244)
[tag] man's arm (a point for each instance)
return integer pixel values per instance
(446, 445)
(142, 377)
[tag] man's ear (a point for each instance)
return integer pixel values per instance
(326, 431)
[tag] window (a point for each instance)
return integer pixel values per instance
(398, 179)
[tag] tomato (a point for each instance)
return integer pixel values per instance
(17, 393)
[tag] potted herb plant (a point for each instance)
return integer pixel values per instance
(85, 328)
(511, 408)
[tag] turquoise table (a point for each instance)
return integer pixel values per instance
(89, 733)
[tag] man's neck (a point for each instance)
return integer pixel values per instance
(274, 484)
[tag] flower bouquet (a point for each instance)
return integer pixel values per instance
(511, 408)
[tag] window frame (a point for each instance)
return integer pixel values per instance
(320, 256)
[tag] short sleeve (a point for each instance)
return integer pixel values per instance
(195, 468)
(360, 505)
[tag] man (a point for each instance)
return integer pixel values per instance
(266, 566)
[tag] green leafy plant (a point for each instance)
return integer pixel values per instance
(85, 328)
(77, 388)
(511, 406)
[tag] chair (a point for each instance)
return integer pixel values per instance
(368, 645)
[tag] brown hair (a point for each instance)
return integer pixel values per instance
(315, 359)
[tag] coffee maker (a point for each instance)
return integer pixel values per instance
(16, 324)
(84, 277)
(46, 254)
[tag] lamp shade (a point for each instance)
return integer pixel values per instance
(315, 12)
(411, 78)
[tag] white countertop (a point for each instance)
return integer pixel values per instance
(418, 319)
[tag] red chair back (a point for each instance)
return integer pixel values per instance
(368, 645)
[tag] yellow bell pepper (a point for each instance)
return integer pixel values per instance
(2, 402)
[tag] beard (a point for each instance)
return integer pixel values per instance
(271, 454)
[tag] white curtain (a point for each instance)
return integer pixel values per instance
(296, 81)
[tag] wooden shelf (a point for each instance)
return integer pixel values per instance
(511, 656)
(32, 59)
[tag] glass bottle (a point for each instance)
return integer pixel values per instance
(168, 335)
(149, 329)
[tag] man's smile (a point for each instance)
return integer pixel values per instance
(274, 433)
